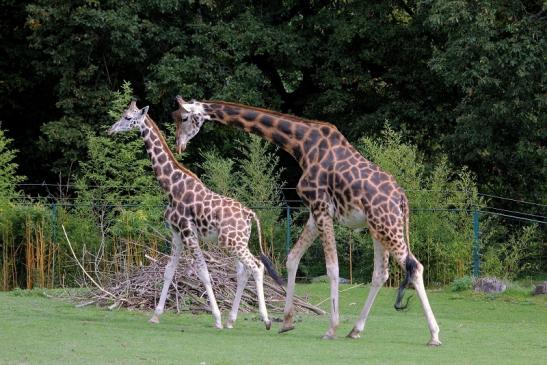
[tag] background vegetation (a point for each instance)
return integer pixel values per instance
(461, 85)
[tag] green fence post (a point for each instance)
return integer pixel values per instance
(476, 243)
(288, 225)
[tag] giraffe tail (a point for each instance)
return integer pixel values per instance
(268, 264)
(410, 262)
(410, 266)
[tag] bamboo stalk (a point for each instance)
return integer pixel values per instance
(29, 253)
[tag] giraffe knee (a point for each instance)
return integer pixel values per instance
(379, 278)
(332, 271)
(419, 268)
(240, 268)
(292, 262)
(258, 264)
(412, 267)
(204, 277)
(418, 273)
(169, 271)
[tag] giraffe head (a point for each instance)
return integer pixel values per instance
(131, 118)
(189, 118)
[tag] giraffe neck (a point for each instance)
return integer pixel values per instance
(166, 168)
(295, 135)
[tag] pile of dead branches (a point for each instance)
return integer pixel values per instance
(140, 287)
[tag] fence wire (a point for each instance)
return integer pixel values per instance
(291, 215)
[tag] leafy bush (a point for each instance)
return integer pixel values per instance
(518, 256)
(8, 168)
(462, 283)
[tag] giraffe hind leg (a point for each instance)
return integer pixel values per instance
(379, 277)
(242, 277)
(241, 251)
(414, 272)
(258, 275)
(418, 282)
(410, 266)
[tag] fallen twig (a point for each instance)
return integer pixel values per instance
(139, 287)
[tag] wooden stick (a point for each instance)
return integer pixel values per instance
(85, 272)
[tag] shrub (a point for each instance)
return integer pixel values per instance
(462, 283)
(519, 255)
(8, 168)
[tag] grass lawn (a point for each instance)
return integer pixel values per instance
(475, 329)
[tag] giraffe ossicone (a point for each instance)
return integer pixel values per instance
(337, 184)
(196, 213)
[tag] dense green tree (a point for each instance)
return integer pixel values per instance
(493, 54)
(456, 76)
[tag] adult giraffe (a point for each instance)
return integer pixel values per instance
(337, 183)
(195, 213)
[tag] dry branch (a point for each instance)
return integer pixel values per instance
(140, 287)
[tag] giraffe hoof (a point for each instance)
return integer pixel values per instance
(286, 329)
(268, 325)
(354, 334)
(230, 325)
(155, 319)
(328, 337)
(434, 343)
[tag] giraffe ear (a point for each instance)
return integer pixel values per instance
(187, 107)
(179, 100)
(144, 110)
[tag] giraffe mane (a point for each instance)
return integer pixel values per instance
(168, 150)
(275, 113)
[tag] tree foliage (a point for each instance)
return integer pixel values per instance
(493, 54)
(9, 177)
(462, 81)
(466, 78)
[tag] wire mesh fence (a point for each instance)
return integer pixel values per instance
(450, 241)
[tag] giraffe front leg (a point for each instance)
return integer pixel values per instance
(326, 229)
(168, 274)
(307, 237)
(203, 274)
(379, 277)
(242, 277)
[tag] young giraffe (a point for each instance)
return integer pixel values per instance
(196, 213)
(337, 184)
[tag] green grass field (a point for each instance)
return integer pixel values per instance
(475, 329)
